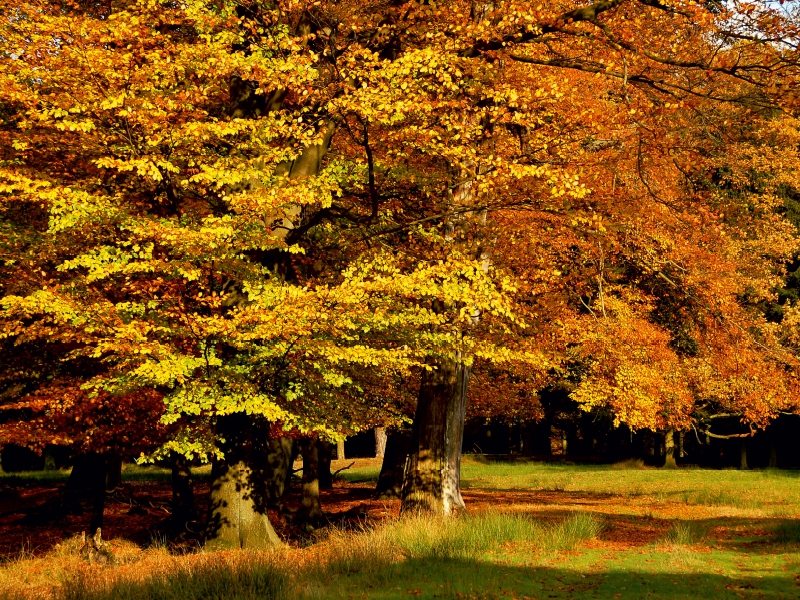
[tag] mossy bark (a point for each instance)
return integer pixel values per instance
(432, 480)
(238, 500)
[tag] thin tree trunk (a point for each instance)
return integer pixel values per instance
(380, 442)
(564, 443)
(183, 510)
(681, 447)
(743, 455)
(310, 512)
(390, 481)
(325, 451)
(432, 480)
(340, 450)
(669, 449)
(238, 500)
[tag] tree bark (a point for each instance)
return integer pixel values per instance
(49, 460)
(87, 482)
(113, 471)
(669, 449)
(743, 455)
(279, 459)
(238, 500)
(432, 480)
(325, 451)
(390, 481)
(310, 512)
(183, 510)
(773, 454)
(380, 442)
(340, 450)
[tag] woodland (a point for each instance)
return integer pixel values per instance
(236, 233)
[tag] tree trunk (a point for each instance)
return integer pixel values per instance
(87, 482)
(681, 448)
(279, 461)
(773, 454)
(390, 481)
(564, 443)
(432, 480)
(380, 442)
(310, 512)
(340, 450)
(743, 455)
(49, 460)
(113, 471)
(669, 449)
(238, 500)
(183, 510)
(325, 451)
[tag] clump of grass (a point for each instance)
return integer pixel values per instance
(721, 498)
(247, 578)
(630, 463)
(684, 533)
(788, 532)
(422, 537)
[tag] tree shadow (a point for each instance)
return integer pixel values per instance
(475, 579)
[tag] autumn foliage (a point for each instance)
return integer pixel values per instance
(297, 210)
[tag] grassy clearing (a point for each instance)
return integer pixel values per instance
(534, 530)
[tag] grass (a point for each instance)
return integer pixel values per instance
(534, 530)
(246, 578)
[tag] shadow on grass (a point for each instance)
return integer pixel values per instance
(438, 578)
(426, 578)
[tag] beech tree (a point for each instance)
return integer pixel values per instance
(244, 206)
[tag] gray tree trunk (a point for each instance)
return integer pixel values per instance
(432, 480)
(340, 450)
(238, 500)
(380, 442)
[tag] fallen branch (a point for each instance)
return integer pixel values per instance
(342, 469)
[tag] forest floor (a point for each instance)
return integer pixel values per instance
(532, 530)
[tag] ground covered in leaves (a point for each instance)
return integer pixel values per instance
(533, 530)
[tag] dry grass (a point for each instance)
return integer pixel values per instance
(370, 552)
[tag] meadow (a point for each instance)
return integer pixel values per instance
(532, 530)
